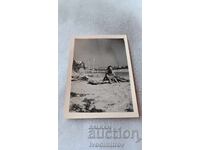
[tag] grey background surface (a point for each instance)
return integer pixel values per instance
(91, 17)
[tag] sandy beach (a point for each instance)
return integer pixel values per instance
(115, 97)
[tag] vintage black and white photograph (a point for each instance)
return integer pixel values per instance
(101, 78)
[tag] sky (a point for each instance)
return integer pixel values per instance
(96, 53)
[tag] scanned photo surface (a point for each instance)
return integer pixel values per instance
(100, 77)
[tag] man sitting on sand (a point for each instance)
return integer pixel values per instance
(110, 75)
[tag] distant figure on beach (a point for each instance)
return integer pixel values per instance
(111, 77)
(77, 65)
(76, 75)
